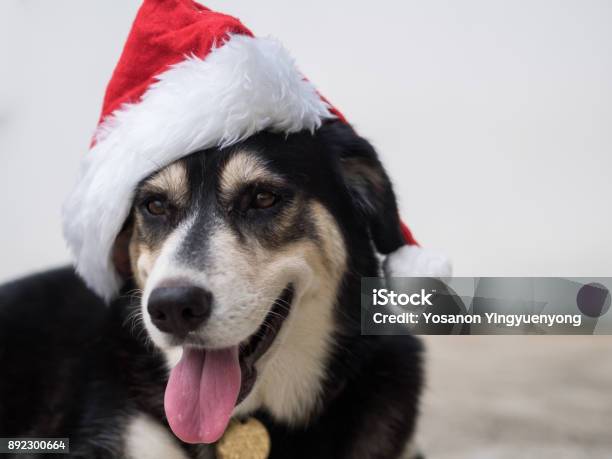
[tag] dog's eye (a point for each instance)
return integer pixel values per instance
(256, 200)
(264, 200)
(157, 207)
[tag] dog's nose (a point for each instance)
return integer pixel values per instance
(179, 310)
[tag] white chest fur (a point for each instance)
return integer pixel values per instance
(148, 439)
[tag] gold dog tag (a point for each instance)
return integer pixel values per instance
(244, 440)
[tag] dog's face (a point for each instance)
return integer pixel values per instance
(243, 248)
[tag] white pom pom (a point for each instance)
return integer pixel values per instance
(415, 261)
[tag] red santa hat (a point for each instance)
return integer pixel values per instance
(188, 78)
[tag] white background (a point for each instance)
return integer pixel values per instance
(493, 118)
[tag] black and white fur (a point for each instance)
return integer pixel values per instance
(74, 367)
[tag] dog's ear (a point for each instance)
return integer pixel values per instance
(369, 186)
(121, 250)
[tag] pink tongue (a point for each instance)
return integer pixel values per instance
(201, 394)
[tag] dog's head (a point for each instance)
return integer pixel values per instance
(240, 254)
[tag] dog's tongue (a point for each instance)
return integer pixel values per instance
(201, 394)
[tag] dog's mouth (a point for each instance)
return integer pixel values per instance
(206, 385)
(262, 339)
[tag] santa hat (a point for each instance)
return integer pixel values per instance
(188, 78)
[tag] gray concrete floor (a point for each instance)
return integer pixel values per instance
(498, 397)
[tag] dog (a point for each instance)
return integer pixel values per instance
(242, 299)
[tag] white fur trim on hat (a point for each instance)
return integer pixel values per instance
(242, 87)
(415, 261)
